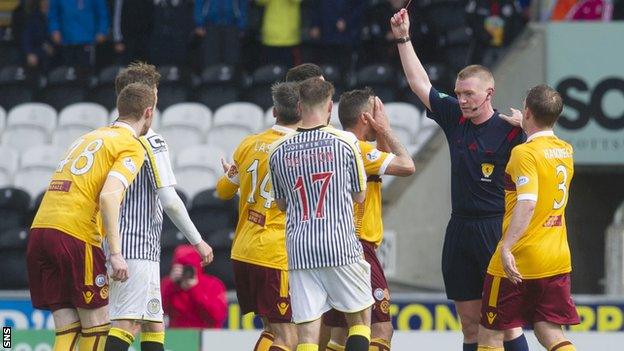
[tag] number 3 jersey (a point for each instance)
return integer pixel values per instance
(260, 233)
(71, 202)
(539, 170)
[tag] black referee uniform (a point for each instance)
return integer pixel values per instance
(479, 154)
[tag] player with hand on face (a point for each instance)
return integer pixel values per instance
(363, 114)
(480, 141)
(528, 280)
(66, 264)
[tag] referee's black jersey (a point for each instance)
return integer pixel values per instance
(479, 154)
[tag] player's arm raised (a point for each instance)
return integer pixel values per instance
(110, 200)
(414, 71)
(175, 209)
(402, 164)
(228, 184)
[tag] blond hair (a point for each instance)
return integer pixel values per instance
(134, 99)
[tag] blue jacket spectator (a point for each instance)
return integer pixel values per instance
(78, 21)
(36, 44)
(221, 13)
(338, 21)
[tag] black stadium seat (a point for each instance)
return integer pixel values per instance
(64, 86)
(103, 92)
(14, 205)
(173, 87)
(13, 244)
(262, 79)
(210, 214)
(221, 267)
(380, 77)
(218, 86)
(332, 73)
(15, 87)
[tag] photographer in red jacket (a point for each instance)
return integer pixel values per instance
(192, 298)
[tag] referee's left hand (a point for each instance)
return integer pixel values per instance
(509, 266)
(205, 251)
(515, 119)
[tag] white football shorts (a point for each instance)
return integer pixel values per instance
(317, 290)
(138, 298)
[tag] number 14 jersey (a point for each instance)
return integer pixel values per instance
(259, 237)
(539, 170)
(71, 202)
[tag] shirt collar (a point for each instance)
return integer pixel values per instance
(543, 133)
(282, 129)
(123, 124)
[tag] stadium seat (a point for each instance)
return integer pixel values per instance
(221, 267)
(218, 86)
(29, 124)
(198, 168)
(405, 120)
(173, 87)
(332, 73)
(36, 168)
(114, 114)
(456, 57)
(2, 119)
(77, 119)
(15, 87)
(184, 124)
(12, 247)
(269, 119)
(103, 92)
(65, 86)
(381, 78)
(259, 92)
(8, 165)
(211, 214)
(444, 15)
(14, 205)
(232, 123)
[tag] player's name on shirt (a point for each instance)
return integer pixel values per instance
(558, 153)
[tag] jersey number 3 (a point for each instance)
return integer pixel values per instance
(561, 186)
(83, 161)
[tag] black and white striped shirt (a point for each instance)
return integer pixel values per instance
(141, 215)
(316, 171)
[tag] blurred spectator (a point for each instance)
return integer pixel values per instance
(378, 41)
(36, 44)
(495, 24)
(76, 26)
(336, 26)
(191, 298)
(281, 31)
(221, 25)
(132, 25)
(171, 32)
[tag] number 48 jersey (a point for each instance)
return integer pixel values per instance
(539, 170)
(260, 237)
(71, 202)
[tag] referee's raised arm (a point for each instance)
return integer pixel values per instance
(414, 71)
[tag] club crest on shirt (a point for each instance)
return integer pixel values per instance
(487, 169)
(153, 306)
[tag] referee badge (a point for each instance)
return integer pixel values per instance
(487, 169)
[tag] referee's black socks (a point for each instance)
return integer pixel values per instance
(517, 344)
(359, 338)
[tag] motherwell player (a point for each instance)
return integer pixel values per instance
(259, 247)
(66, 265)
(363, 114)
(528, 280)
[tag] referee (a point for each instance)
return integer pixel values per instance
(317, 173)
(480, 142)
(135, 305)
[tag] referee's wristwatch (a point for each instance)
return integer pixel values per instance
(403, 40)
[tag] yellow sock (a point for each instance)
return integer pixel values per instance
(122, 335)
(489, 348)
(562, 346)
(379, 344)
(66, 337)
(307, 347)
(264, 342)
(94, 338)
(361, 330)
(333, 346)
(158, 337)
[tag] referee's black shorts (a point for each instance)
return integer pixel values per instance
(468, 246)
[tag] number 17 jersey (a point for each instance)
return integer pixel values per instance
(260, 232)
(71, 202)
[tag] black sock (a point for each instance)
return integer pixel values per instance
(470, 347)
(357, 343)
(152, 346)
(114, 343)
(517, 344)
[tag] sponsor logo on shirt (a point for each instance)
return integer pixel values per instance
(104, 292)
(129, 164)
(283, 307)
(60, 185)
(491, 316)
(373, 155)
(522, 180)
(157, 143)
(100, 280)
(88, 296)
